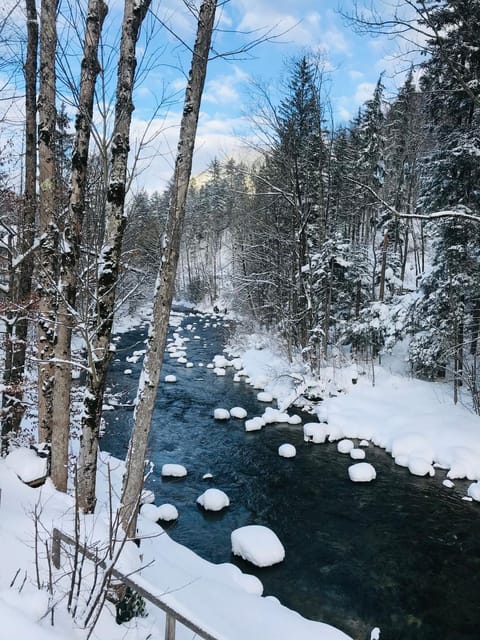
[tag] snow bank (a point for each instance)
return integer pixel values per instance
(258, 545)
(213, 500)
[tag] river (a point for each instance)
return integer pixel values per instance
(400, 553)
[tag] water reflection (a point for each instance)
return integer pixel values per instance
(402, 553)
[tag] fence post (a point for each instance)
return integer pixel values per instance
(169, 626)
(56, 548)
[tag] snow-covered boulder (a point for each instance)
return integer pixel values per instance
(170, 378)
(147, 497)
(150, 512)
(27, 464)
(207, 476)
(364, 443)
(357, 454)
(448, 483)
(167, 512)
(271, 416)
(174, 470)
(287, 451)
(473, 491)
(362, 472)
(264, 396)
(238, 412)
(213, 500)
(218, 371)
(221, 414)
(257, 544)
(315, 432)
(254, 424)
(345, 446)
(295, 419)
(419, 466)
(127, 372)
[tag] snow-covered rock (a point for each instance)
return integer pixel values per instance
(473, 491)
(287, 451)
(295, 419)
(147, 497)
(238, 412)
(345, 446)
(170, 378)
(271, 416)
(357, 454)
(362, 472)
(127, 372)
(26, 464)
(448, 483)
(420, 466)
(207, 476)
(221, 414)
(174, 470)
(264, 396)
(219, 371)
(167, 512)
(257, 544)
(364, 443)
(150, 512)
(213, 500)
(315, 432)
(254, 424)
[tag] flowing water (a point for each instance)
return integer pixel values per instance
(401, 553)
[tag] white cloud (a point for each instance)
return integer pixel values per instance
(356, 75)
(224, 88)
(218, 137)
(364, 92)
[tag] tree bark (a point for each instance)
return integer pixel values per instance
(70, 253)
(13, 407)
(48, 227)
(149, 379)
(109, 260)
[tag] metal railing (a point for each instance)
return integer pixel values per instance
(172, 615)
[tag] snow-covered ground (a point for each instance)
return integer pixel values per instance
(413, 420)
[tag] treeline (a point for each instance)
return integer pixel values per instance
(347, 240)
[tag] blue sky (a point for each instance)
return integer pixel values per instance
(353, 63)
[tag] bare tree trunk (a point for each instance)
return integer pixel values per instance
(13, 407)
(48, 227)
(109, 261)
(383, 267)
(148, 385)
(70, 254)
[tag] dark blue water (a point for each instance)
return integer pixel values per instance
(401, 553)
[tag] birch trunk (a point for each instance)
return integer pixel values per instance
(109, 260)
(148, 385)
(13, 407)
(70, 253)
(48, 228)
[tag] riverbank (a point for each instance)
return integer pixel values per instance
(416, 422)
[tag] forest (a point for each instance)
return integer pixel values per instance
(347, 240)
(344, 240)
